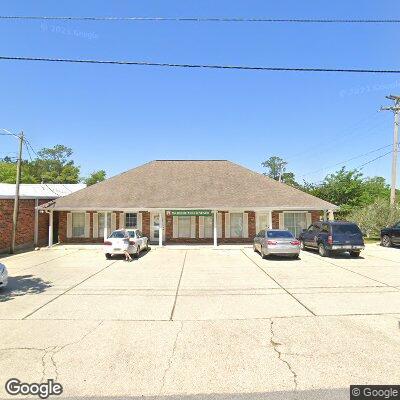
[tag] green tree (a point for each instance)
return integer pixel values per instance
(373, 217)
(95, 177)
(276, 168)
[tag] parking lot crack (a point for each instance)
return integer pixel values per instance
(169, 364)
(275, 346)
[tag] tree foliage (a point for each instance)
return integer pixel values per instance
(276, 168)
(95, 177)
(52, 165)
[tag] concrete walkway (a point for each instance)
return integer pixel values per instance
(201, 323)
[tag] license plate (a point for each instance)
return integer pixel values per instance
(116, 249)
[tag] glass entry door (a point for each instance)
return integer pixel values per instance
(155, 227)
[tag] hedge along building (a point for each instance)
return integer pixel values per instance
(185, 201)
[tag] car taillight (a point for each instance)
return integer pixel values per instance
(295, 243)
(272, 242)
(132, 241)
(106, 243)
(330, 239)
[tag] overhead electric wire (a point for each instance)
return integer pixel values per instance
(204, 66)
(350, 159)
(208, 19)
(370, 161)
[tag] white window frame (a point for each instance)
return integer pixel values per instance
(234, 234)
(100, 229)
(181, 234)
(75, 214)
(128, 216)
(295, 233)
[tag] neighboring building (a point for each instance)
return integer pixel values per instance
(32, 227)
(210, 201)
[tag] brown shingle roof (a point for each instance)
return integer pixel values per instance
(178, 184)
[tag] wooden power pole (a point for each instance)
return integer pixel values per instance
(396, 109)
(16, 200)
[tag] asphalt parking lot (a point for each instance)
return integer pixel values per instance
(214, 323)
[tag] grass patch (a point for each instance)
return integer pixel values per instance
(372, 239)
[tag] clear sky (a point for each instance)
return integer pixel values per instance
(118, 117)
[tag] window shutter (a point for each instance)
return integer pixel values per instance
(227, 225)
(139, 221)
(69, 225)
(121, 220)
(174, 227)
(113, 221)
(192, 227)
(308, 219)
(219, 224)
(201, 227)
(87, 225)
(281, 221)
(95, 225)
(245, 225)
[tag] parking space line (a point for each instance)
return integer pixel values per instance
(287, 291)
(385, 259)
(66, 291)
(354, 272)
(177, 288)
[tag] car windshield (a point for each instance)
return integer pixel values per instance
(131, 234)
(349, 229)
(118, 234)
(279, 234)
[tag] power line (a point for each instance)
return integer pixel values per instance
(345, 161)
(370, 161)
(204, 66)
(207, 19)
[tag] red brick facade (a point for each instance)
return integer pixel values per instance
(168, 229)
(26, 224)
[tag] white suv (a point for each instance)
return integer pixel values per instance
(114, 244)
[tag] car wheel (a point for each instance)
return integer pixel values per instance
(354, 254)
(302, 247)
(147, 245)
(322, 250)
(137, 254)
(295, 257)
(386, 241)
(263, 255)
(254, 248)
(108, 256)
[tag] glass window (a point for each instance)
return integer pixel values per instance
(350, 229)
(295, 222)
(184, 224)
(261, 233)
(130, 220)
(209, 227)
(101, 224)
(263, 221)
(131, 234)
(78, 224)
(279, 234)
(119, 234)
(236, 225)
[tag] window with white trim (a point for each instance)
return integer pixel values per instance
(263, 221)
(184, 226)
(209, 227)
(78, 225)
(131, 220)
(295, 222)
(101, 224)
(236, 225)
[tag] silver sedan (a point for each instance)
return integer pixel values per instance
(276, 241)
(3, 275)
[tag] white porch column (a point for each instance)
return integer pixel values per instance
(270, 219)
(325, 217)
(36, 225)
(105, 234)
(215, 229)
(51, 229)
(160, 229)
(331, 216)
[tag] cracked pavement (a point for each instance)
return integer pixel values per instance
(241, 327)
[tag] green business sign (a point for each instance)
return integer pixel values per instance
(189, 213)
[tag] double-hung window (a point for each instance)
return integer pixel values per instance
(78, 225)
(236, 225)
(101, 224)
(184, 225)
(130, 220)
(295, 222)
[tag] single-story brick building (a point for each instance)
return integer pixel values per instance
(32, 226)
(185, 201)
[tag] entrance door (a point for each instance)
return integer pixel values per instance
(154, 227)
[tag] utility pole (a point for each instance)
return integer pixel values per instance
(396, 109)
(16, 200)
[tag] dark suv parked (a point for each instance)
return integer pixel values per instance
(391, 236)
(333, 237)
